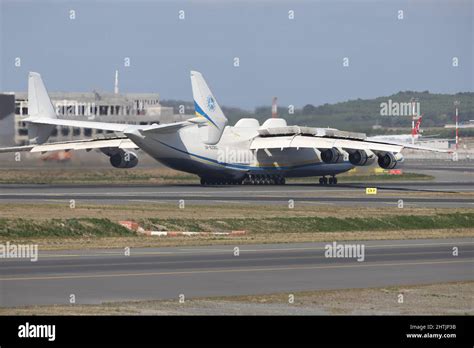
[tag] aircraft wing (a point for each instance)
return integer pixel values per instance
(116, 127)
(424, 148)
(323, 143)
(16, 148)
(88, 144)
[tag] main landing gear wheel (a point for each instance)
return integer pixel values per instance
(324, 181)
(248, 180)
(220, 181)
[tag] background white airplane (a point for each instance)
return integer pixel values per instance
(208, 147)
(401, 138)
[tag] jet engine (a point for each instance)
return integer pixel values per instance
(332, 155)
(362, 157)
(123, 159)
(389, 160)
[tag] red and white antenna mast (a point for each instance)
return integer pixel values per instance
(414, 116)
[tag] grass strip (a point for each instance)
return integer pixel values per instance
(90, 227)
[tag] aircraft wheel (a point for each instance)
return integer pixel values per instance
(325, 181)
(334, 180)
(331, 181)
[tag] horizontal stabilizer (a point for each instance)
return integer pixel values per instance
(16, 148)
(87, 144)
(165, 128)
(115, 127)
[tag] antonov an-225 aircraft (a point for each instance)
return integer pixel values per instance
(206, 146)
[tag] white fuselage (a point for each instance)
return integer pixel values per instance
(231, 157)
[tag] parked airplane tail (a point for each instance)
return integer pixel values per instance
(205, 105)
(39, 106)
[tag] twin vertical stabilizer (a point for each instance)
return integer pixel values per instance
(39, 106)
(205, 105)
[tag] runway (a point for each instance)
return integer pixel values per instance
(433, 165)
(443, 171)
(421, 194)
(96, 276)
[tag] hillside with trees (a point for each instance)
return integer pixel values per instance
(361, 114)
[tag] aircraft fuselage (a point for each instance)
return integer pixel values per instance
(231, 157)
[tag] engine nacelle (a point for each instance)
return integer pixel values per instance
(389, 160)
(362, 157)
(332, 155)
(123, 159)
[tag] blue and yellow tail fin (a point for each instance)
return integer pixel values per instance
(205, 105)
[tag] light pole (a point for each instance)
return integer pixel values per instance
(456, 105)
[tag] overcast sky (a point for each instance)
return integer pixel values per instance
(299, 60)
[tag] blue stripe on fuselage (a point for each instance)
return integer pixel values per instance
(237, 166)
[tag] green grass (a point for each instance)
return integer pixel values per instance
(315, 224)
(114, 176)
(89, 176)
(86, 227)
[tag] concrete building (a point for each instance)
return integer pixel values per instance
(132, 108)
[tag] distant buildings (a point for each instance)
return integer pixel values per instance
(130, 108)
(469, 124)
